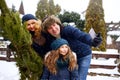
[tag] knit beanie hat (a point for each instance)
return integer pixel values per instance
(58, 42)
(28, 17)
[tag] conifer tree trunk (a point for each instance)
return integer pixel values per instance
(29, 63)
(95, 19)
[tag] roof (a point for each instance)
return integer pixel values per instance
(118, 39)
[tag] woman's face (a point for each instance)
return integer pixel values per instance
(63, 49)
(30, 24)
(54, 30)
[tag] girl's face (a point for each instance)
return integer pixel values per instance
(63, 49)
(54, 30)
(30, 24)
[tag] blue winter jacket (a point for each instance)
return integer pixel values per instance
(63, 74)
(80, 42)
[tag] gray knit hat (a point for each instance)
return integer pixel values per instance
(57, 43)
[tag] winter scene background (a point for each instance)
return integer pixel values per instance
(9, 70)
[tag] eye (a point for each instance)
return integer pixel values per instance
(33, 23)
(49, 28)
(53, 25)
(28, 24)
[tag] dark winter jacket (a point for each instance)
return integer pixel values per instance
(79, 42)
(42, 50)
(62, 74)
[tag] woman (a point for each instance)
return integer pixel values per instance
(60, 62)
(80, 42)
(33, 25)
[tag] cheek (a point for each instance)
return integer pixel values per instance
(27, 27)
(49, 31)
(61, 50)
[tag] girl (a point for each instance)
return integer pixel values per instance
(60, 62)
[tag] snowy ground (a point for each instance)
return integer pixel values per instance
(104, 71)
(9, 71)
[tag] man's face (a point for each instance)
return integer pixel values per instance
(54, 30)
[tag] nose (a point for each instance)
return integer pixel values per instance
(31, 25)
(53, 28)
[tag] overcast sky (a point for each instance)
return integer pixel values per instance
(111, 7)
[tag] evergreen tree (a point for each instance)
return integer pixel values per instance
(45, 8)
(72, 17)
(29, 63)
(95, 19)
(51, 7)
(57, 9)
(42, 9)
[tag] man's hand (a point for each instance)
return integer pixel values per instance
(97, 40)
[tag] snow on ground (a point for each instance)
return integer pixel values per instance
(114, 32)
(9, 71)
(110, 51)
(101, 78)
(103, 61)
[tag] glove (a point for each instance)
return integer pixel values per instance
(97, 40)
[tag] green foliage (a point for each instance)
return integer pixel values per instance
(42, 9)
(57, 9)
(51, 7)
(29, 63)
(80, 24)
(45, 8)
(72, 17)
(95, 19)
(114, 37)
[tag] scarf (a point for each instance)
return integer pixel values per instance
(62, 63)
